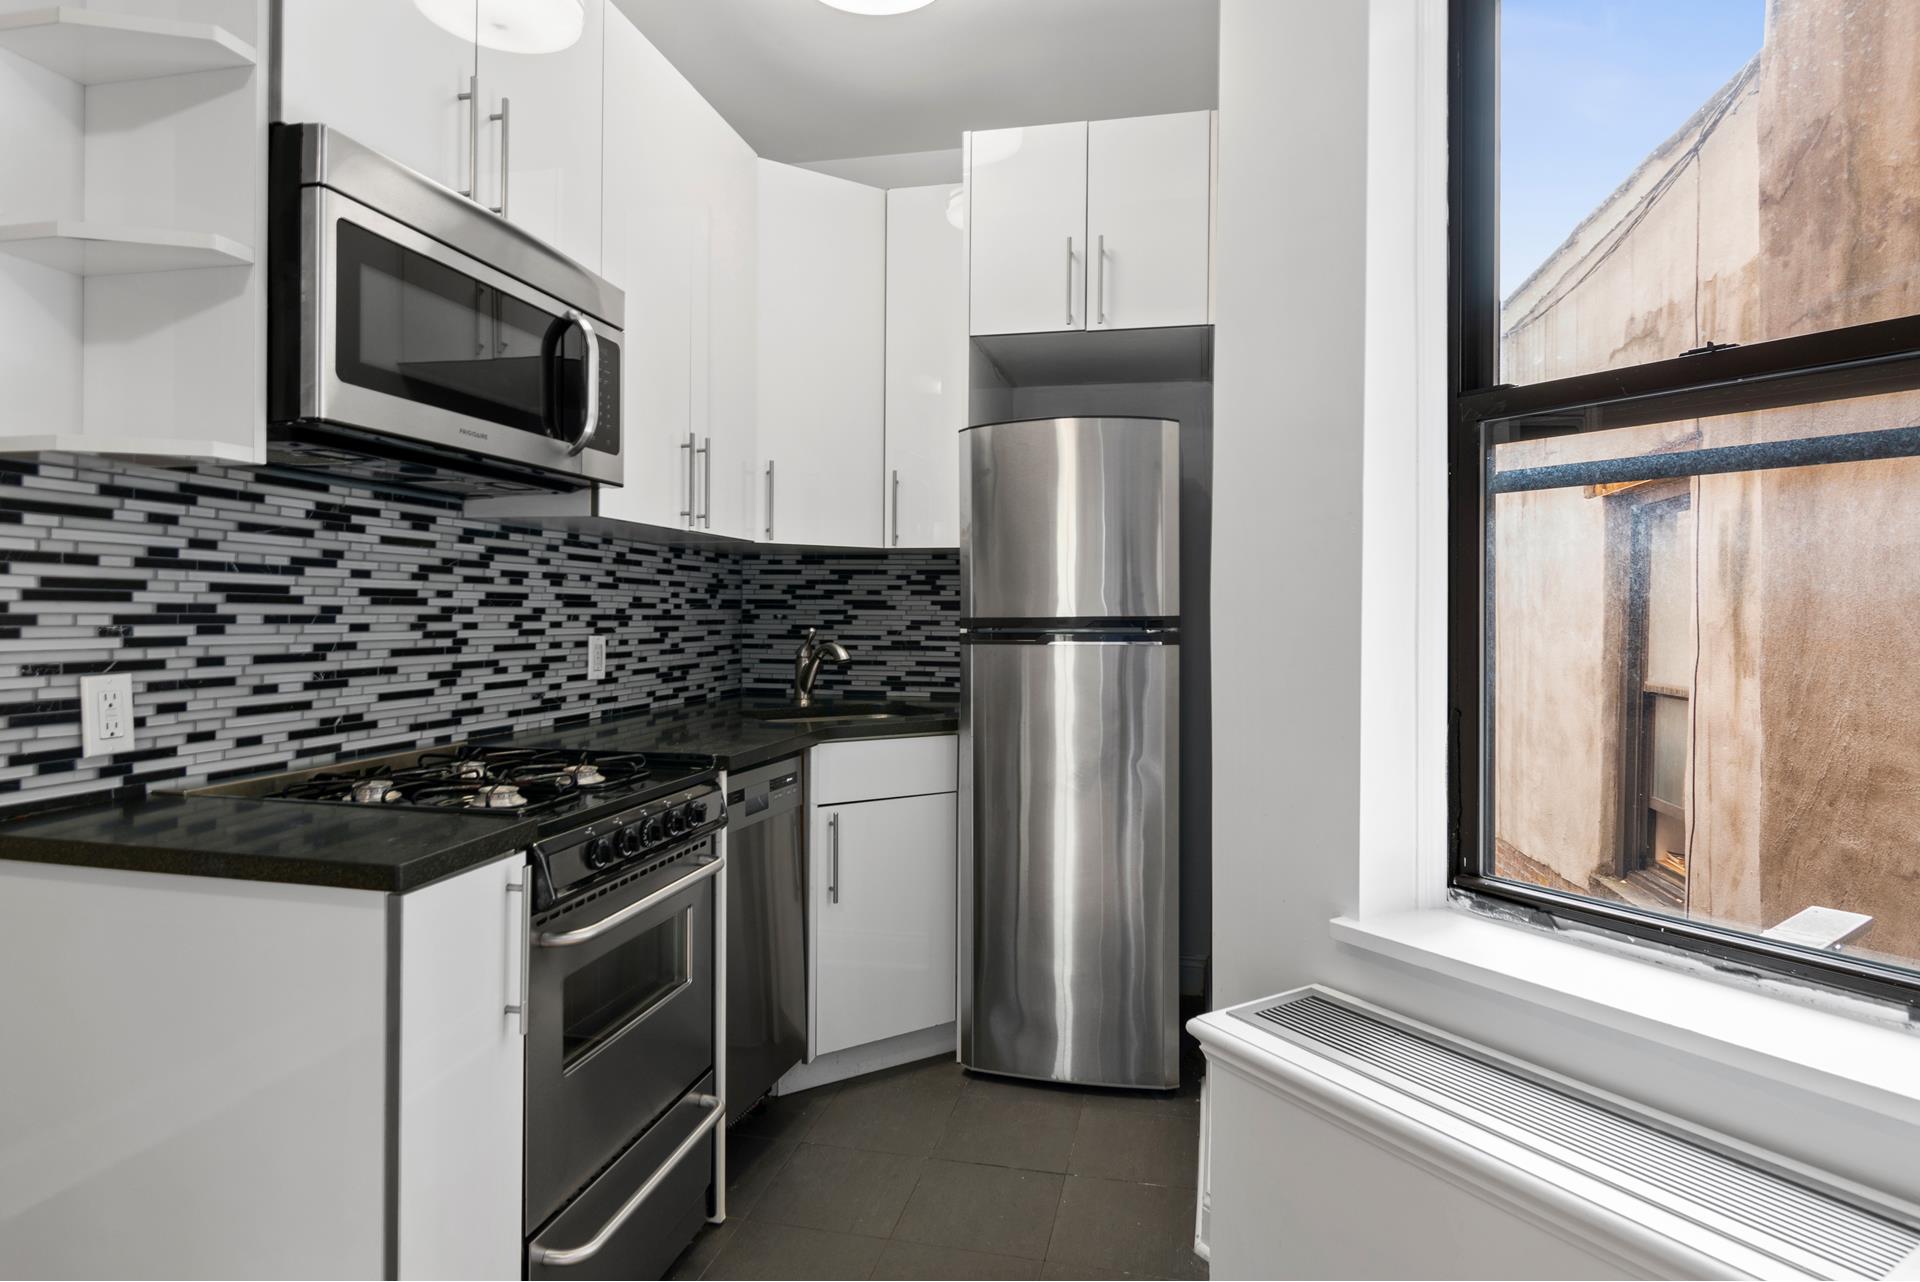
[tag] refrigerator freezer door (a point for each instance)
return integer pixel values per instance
(1070, 518)
(1070, 809)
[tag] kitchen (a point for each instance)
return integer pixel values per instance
(612, 618)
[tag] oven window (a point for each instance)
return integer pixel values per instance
(415, 328)
(609, 994)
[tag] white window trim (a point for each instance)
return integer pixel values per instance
(1810, 1037)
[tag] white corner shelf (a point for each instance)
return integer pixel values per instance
(92, 47)
(101, 249)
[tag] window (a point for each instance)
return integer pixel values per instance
(1684, 494)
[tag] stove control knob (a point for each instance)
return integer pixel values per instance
(600, 852)
(630, 840)
(697, 812)
(676, 822)
(651, 831)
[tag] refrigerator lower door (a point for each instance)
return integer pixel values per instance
(1070, 898)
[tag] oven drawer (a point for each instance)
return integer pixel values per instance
(646, 1243)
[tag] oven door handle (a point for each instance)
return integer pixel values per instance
(613, 921)
(716, 1109)
(590, 414)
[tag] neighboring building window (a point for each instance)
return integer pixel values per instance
(1685, 474)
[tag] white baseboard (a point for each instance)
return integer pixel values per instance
(857, 1061)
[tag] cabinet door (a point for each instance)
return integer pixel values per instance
(822, 326)
(385, 75)
(926, 365)
(1149, 200)
(726, 396)
(1027, 225)
(651, 221)
(462, 1075)
(542, 158)
(883, 906)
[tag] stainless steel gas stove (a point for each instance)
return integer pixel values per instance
(625, 979)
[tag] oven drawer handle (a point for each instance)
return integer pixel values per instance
(716, 1109)
(612, 921)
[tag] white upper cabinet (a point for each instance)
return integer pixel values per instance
(926, 364)
(1027, 220)
(822, 329)
(540, 136)
(1149, 213)
(515, 130)
(679, 238)
(1101, 225)
(386, 76)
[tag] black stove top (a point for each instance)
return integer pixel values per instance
(501, 780)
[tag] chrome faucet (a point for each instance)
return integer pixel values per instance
(807, 659)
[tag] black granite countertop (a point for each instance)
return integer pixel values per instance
(314, 844)
(390, 849)
(737, 740)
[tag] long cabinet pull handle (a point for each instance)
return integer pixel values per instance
(716, 1110)
(769, 499)
(833, 859)
(523, 950)
(688, 446)
(896, 507)
(472, 98)
(1069, 280)
(706, 472)
(1100, 275)
(505, 117)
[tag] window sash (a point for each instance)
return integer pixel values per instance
(1835, 364)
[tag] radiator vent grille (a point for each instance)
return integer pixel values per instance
(1700, 1183)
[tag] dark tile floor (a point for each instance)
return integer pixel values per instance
(927, 1171)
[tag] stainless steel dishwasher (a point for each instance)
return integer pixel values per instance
(766, 930)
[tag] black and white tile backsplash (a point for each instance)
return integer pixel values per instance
(272, 618)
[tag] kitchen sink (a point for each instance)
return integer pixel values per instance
(841, 710)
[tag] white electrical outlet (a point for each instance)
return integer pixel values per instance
(596, 658)
(106, 714)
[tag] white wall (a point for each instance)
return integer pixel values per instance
(1327, 779)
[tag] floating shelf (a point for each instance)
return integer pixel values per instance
(96, 48)
(100, 249)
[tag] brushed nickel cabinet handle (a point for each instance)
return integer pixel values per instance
(472, 97)
(505, 117)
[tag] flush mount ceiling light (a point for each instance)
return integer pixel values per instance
(511, 26)
(877, 8)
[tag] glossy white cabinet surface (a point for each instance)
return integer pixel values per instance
(926, 364)
(874, 769)
(822, 328)
(542, 158)
(883, 911)
(1149, 217)
(462, 1074)
(195, 1076)
(679, 236)
(386, 76)
(1027, 220)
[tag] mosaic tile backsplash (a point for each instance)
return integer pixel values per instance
(275, 618)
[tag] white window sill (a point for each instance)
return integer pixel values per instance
(1864, 1061)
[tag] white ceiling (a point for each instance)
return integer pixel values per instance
(804, 82)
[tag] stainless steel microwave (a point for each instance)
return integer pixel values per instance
(416, 337)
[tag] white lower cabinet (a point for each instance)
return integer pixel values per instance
(882, 886)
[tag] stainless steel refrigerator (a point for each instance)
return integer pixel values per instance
(1069, 750)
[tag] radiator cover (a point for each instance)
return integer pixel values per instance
(1809, 1228)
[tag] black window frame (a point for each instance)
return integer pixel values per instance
(1836, 364)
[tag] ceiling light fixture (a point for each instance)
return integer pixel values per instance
(511, 26)
(877, 8)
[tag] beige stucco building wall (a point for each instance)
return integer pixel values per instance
(1791, 202)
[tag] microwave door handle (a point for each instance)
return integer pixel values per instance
(590, 416)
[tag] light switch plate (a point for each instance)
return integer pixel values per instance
(106, 714)
(596, 658)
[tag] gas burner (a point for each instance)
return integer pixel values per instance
(373, 792)
(469, 769)
(499, 796)
(585, 775)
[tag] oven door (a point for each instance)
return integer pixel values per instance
(621, 1020)
(408, 338)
